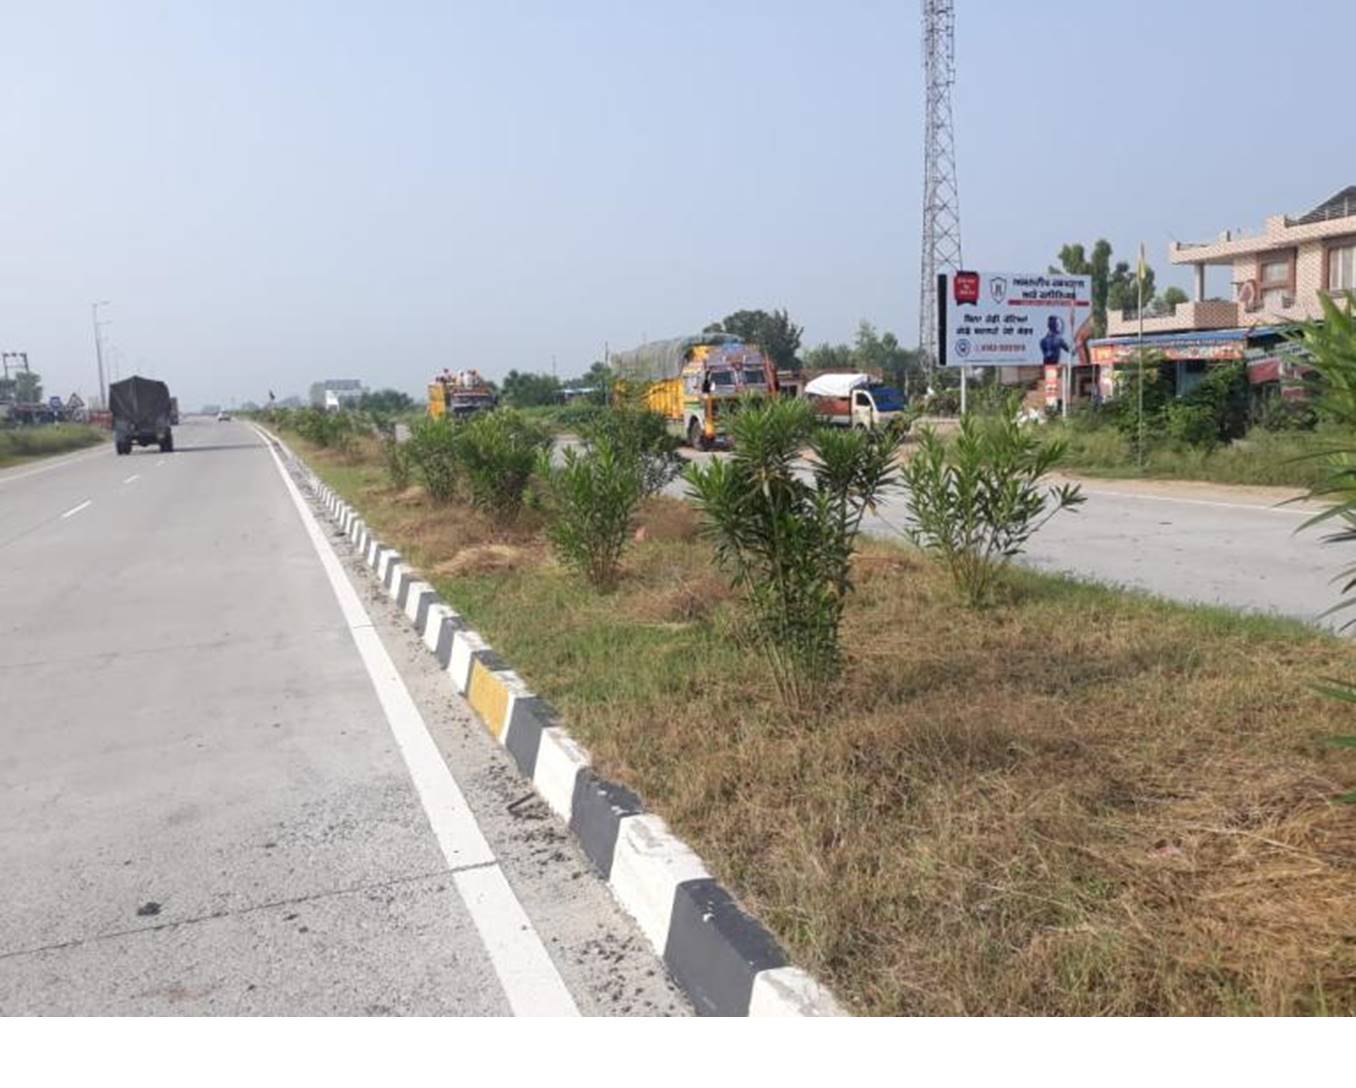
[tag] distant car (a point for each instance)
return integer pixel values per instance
(221, 416)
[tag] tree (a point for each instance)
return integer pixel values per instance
(1123, 288)
(830, 357)
(28, 387)
(871, 352)
(774, 332)
(386, 402)
(1169, 300)
(1112, 288)
(598, 377)
(881, 353)
(524, 390)
(1075, 262)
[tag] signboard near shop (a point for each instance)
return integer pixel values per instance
(1013, 318)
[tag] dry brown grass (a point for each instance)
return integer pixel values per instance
(1079, 802)
(663, 517)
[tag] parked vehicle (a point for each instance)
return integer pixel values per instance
(460, 395)
(695, 381)
(854, 400)
(141, 414)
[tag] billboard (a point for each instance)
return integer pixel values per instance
(1013, 318)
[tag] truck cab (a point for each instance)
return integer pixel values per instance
(876, 406)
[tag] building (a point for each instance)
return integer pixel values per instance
(335, 393)
(1277, 276)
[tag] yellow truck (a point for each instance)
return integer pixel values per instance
(459, 395)
(694, 381)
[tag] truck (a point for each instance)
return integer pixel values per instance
(141, 414)
(460, 395)
(694, 382)
(854, 400)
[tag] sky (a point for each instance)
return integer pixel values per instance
(268, 194)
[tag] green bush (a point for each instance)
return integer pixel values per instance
(498, 453)
(974, 502)
(434, 456)
(592, 499)
(399, 461)
(641, 436)
(787, 542)
(331, 430)
(1281, 414)
(1190, 424)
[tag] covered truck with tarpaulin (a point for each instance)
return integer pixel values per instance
(854, 400)
(695, 381)
(142, 411)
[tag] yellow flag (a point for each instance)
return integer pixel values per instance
(1143, 267)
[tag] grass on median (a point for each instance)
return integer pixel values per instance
(1080, 802)
(1263, 458)
(28, 443)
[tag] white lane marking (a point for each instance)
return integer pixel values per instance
(77, 509)
(1292, 511)
(159, 463)
(134, 476)
(529, 979)
(47, 466)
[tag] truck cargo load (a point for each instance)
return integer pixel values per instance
(141, 410)
(695, 381)
(459, 395)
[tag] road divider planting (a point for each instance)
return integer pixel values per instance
(1075, 800)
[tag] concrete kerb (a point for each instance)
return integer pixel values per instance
(723, 959)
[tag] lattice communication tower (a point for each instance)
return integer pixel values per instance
(941, 198)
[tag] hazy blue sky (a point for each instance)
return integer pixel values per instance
(271, 193)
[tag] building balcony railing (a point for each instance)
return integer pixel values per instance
(1184, 317)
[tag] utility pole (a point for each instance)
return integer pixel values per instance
(941, 250)
(99, 351)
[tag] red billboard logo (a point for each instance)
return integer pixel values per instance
(965, 288)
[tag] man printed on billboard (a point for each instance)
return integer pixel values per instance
(1053, 344)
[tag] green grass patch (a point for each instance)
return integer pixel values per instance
(1263, 458)
(30, 443)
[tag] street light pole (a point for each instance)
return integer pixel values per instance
(99, 351)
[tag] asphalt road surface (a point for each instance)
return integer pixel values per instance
(1201, 544)
(203, 806)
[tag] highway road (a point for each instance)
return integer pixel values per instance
(1196, 543)
(203, 808)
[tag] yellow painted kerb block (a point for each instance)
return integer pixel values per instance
(489, 697)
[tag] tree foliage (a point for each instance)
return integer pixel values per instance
(385, 402)
(871, 352)
(28, 386)
(1113, 287)
(774, 333)
(526, 390)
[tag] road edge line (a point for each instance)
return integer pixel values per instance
(530, 980)
(722, 958)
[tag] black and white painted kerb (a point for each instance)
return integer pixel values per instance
(724, 960)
